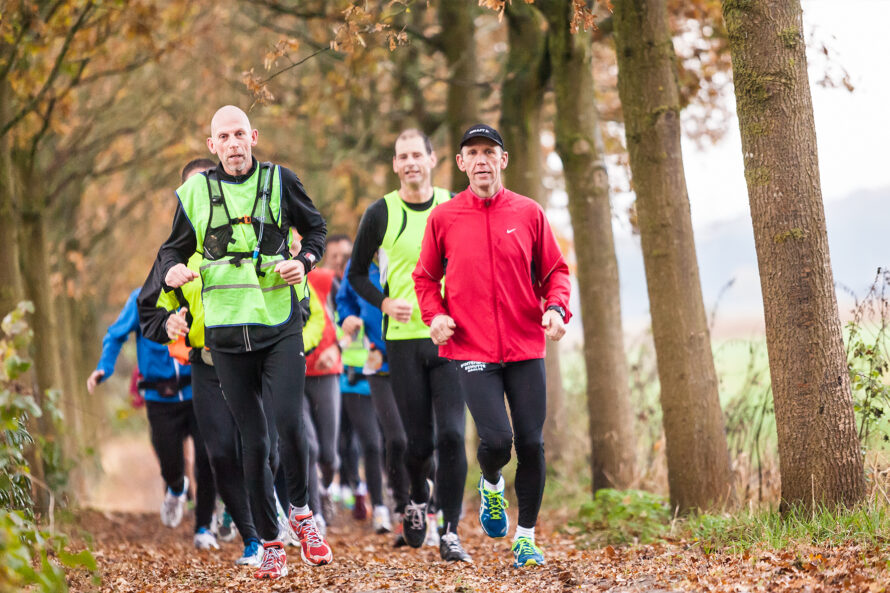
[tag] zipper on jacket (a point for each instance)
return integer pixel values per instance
(176, 371)
(494, 298)
(247, 345)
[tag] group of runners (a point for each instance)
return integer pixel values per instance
(445, 303)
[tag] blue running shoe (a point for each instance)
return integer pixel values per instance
(253, 554)
(492, 511)
(526, 553)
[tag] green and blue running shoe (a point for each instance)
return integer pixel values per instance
(492, 511)
(526, 553)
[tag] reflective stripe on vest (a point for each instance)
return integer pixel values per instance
(233, 292)
(400, 251)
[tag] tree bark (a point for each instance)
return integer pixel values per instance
(11, 288)
(459, 47)
(698, 461)
(819, 450)
(522, 98)
(579, 145)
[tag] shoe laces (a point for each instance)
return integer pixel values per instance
(270, 559)
(308, 532)
(415, 512)
(452, 542)
(496, 503)
(525, 547)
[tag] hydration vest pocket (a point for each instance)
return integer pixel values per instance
(273, 240)
(217, 241)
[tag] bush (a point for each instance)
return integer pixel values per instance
(623, 516)
(25, 549)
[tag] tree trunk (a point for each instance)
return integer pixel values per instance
(698, 461)
(522, 98)
(11, 288)
(459, 47)
(819, 451)
(579, 144)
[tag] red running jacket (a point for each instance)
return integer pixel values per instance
(502, 259)
(322, 281)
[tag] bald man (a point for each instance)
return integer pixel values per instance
(238, 216)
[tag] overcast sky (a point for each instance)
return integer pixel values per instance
(852, 128)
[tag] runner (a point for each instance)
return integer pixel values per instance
(161, 322)
(366, 391)
(167, 392)
(425, 385)
(502, 259)
(237, 216)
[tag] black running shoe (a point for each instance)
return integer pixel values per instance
(451, 550)
(414, 524)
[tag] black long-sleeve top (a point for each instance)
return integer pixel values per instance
(371, 231)
(298, 211)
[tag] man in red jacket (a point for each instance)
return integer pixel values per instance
(507, 287)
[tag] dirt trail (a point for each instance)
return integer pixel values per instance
(135, 554)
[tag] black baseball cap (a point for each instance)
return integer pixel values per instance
(482, 131)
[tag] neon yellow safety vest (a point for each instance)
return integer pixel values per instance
(240, 286)
(191, 292)
(400, 251)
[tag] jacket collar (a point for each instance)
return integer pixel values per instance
(480, 202)
(223, 176)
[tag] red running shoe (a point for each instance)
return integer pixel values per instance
(313, 548)
(274, 564)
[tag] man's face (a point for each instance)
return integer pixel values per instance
(336, 255)
(412, 163)
(482, 160)
(232, 139)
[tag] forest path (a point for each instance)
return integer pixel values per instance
(135, 554)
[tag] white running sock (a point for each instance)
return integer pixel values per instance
(493, 487)
(300, 511)
(528, 532)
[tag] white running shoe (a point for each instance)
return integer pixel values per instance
(252, 556)
(381, 521)
(432, 531)
(286, 534)
(205, 540)
(173, 505)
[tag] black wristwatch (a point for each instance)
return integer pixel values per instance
(558, 309)
(308, 261)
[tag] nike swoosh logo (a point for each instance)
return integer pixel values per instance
(510, 230)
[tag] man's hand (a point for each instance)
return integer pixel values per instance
(398, 309)
(351, 324)
(291, 270)
(328, 358)
(178, 275)
(441, 329)
(554, 327)
(94, 379)
(176, 325)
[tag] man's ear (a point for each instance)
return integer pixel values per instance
(504, 159)
(210, 145)
(460, 162)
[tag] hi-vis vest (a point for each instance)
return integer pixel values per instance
(399, 253)
(238, 233)
(188, 295)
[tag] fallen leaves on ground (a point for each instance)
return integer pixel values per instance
(136, 554)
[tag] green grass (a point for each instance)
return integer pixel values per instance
(867, 525)
(636, 517)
